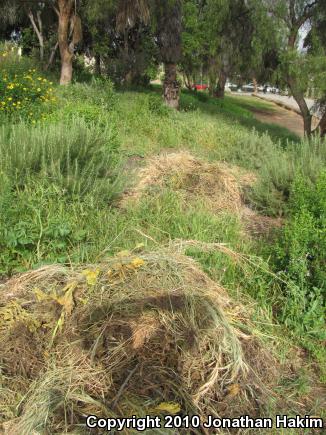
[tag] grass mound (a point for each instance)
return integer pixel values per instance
(124, 338)
(220, 185)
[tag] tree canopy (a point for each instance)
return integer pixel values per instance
(276, 41)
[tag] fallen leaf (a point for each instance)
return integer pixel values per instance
(91, 276)
(137, 262)
(169, 407)
(67, 300)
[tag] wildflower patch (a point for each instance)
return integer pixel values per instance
(26, 95)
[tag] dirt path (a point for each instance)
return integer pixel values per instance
(279, 116)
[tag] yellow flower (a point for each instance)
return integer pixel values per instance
(9, 98)
(39, 89)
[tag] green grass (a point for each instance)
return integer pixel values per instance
(211, 128)
(220, 130)
(50, 184)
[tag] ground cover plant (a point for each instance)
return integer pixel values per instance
(25, 93)
(191, 241)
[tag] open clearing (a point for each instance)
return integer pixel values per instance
(271, 113)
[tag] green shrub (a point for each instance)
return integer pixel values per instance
(56, 181)
(301, 258)
(78, 158)
(25, 95)
(156, 105)
(99, 92)
(202, 97)
(40, 223)
(188, 102)
(12, 62)
(277, 168)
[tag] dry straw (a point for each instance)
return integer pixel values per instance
(220, 186)
(121, 338)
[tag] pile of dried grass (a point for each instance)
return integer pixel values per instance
(219, 185)
(218, 182)
(122, 337)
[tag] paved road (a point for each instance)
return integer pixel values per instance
(286, 101)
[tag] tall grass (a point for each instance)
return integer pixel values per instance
(221, 131)
(77, 158)
(53, 178)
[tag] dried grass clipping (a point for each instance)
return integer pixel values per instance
(139, 331)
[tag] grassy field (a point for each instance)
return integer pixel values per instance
(106, 171)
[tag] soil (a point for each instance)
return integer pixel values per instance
(282, 117)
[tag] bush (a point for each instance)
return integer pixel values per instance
(277, 168)
(300, 256)
(188, 102)
(78, 158)
(54, 182)
(203, 97)
(24, 95)
(157, 106)
(99, 92)
(12, 62)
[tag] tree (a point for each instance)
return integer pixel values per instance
(168, 30)
(235, 36)
(315, 44)
(193, 41)
(132, 18)
(298, 67)
(69, 34)
(34, 13)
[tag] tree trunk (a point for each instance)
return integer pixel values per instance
(66, 51)
(305, 112)
(298, 94)
(212, 84)
(321, 128)
(254, 81)
(52, 56)
(220, 89)
(171, 87)
(187, 81)
(38, 30)
(97, 65)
